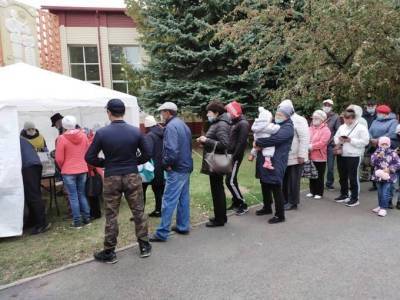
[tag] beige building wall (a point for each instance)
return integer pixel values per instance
(89, 36)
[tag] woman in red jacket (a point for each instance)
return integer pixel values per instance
(319, 140)
(70, 156)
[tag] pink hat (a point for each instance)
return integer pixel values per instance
(384, 140)
(234, 108)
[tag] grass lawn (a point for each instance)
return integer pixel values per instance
(28, 255)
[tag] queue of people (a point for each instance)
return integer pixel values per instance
(283, 145)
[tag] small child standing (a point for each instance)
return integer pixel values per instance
(264, 128)
(386, 163)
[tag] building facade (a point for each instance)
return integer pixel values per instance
(96, 43)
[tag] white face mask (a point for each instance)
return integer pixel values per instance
(316, 122)
(31, 132)
(327, 109)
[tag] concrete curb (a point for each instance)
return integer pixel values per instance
(85, 261)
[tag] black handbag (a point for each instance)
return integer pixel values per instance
(94, 185)
(309, 170)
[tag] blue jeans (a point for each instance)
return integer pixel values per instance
(75, 185)
(176, 196)
(384, 193)
(330, 177)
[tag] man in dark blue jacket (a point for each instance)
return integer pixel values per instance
(120, 143)
(31, 176)
(177, 161)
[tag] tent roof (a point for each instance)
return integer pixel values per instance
(33, 89)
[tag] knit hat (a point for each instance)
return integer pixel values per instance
(384, 140)
(286, 110)
(288, 104)
(320, 115)
(328, 101)
(383, 109)
(69, 122)
(235, 109)
(149, 121)
(29, 125)
(382, 175)
(264, 114)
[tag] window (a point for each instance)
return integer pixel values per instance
(117, 54)
(84, 63)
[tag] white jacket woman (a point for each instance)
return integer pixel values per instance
(353, 136)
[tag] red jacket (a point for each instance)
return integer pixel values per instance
(70, 152)
(319, 140)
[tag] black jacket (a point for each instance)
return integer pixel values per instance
(120, 143)
(218, 135)
(155, 142)
(370, 118)
(239, 135)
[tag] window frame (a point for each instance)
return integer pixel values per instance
(84, 63)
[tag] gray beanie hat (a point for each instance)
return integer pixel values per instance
(286, 110)
(29, 125)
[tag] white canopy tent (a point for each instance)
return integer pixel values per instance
(28, 93)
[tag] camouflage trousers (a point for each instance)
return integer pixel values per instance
(131, 187)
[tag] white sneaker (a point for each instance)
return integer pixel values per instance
(382, 213)
(376, 209)
(309, 195)
(317, 197)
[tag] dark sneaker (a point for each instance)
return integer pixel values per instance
(263, 211)
(289, 206)
(342, 199)
(106, 256)
(183, 232)
(39, 230)
(145, 249)
(76, 225)
(233, 206)
(212, 224)
(353, 202)
(155, 239)
(87, 223)
(242, 209)
(155, 214)
(275, 220)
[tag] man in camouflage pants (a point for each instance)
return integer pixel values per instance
(119, 143)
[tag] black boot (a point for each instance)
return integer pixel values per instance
(145, 248)
(263, 211)
(106, 256)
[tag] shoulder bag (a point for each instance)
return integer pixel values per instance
(219, 163)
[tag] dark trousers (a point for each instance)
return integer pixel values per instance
(158, 190)
(31, 177)
(317, 185)
(233, 185)
(95, 207)
(348, 172)
(330, 174)
(275, 190)
(218, 197)
(291, 184)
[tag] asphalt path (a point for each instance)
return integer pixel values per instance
(324, 251)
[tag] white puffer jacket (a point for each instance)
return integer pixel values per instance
(301, 140)
(359, 139)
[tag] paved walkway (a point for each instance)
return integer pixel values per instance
(324, 251)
